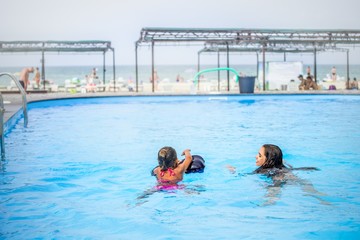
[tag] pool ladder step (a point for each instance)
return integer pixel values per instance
(2, 110)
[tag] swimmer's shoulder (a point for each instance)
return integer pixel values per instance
(154, 171)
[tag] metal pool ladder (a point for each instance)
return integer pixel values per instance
(2, 110)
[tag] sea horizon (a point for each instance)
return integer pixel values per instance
(168, 72)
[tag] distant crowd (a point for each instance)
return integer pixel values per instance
(308, 83)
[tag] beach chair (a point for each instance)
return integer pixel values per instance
(213, 86)
(165, 86)
(146, 87)
(114, 85)
(69, 86)
(184, 87)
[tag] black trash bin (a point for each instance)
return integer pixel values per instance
(246, 84)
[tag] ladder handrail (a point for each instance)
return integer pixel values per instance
(2, 110)
(23, 93)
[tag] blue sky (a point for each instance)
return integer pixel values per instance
(121, 21)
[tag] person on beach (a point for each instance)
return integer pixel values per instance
(308, 71)
(310, 84)
(333, 73)
(170, 171)
(155, 79)
(93, 74)
(24, 76)
(179, 78)
(302, 82)
(354, 85)
(37, 77)
(90, 85)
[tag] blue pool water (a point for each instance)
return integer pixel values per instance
(81, 169)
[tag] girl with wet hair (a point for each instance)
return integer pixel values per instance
(269, 157)
(271, 164)
(170, 171)
(270, 161)
(167, 158)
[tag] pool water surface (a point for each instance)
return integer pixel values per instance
(81, 169)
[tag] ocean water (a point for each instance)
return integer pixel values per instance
(58, 74)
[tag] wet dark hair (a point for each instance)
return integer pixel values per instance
(274, 158)
(167, 158)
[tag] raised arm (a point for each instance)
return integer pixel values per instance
(187, 161)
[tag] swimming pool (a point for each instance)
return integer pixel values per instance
(81, 169)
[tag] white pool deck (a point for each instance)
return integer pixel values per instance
(13, 101)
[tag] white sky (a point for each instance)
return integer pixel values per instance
(120, 22)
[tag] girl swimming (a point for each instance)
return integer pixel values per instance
(170, 171)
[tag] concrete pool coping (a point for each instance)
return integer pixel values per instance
(13, 102)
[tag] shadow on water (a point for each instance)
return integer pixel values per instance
(187, 189)
(282, 179)
(275, 181)
(247, 102)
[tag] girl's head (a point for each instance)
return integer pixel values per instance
(167, 158)
(269, 156)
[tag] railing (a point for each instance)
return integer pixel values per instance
(2, 110)
(196, 77)
(23, 93)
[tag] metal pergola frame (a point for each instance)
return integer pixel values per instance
(58, 46)
(251, 40)
(278, 49)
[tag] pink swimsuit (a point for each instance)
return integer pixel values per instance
(169, 187)
(171, 172)
(166, 184)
